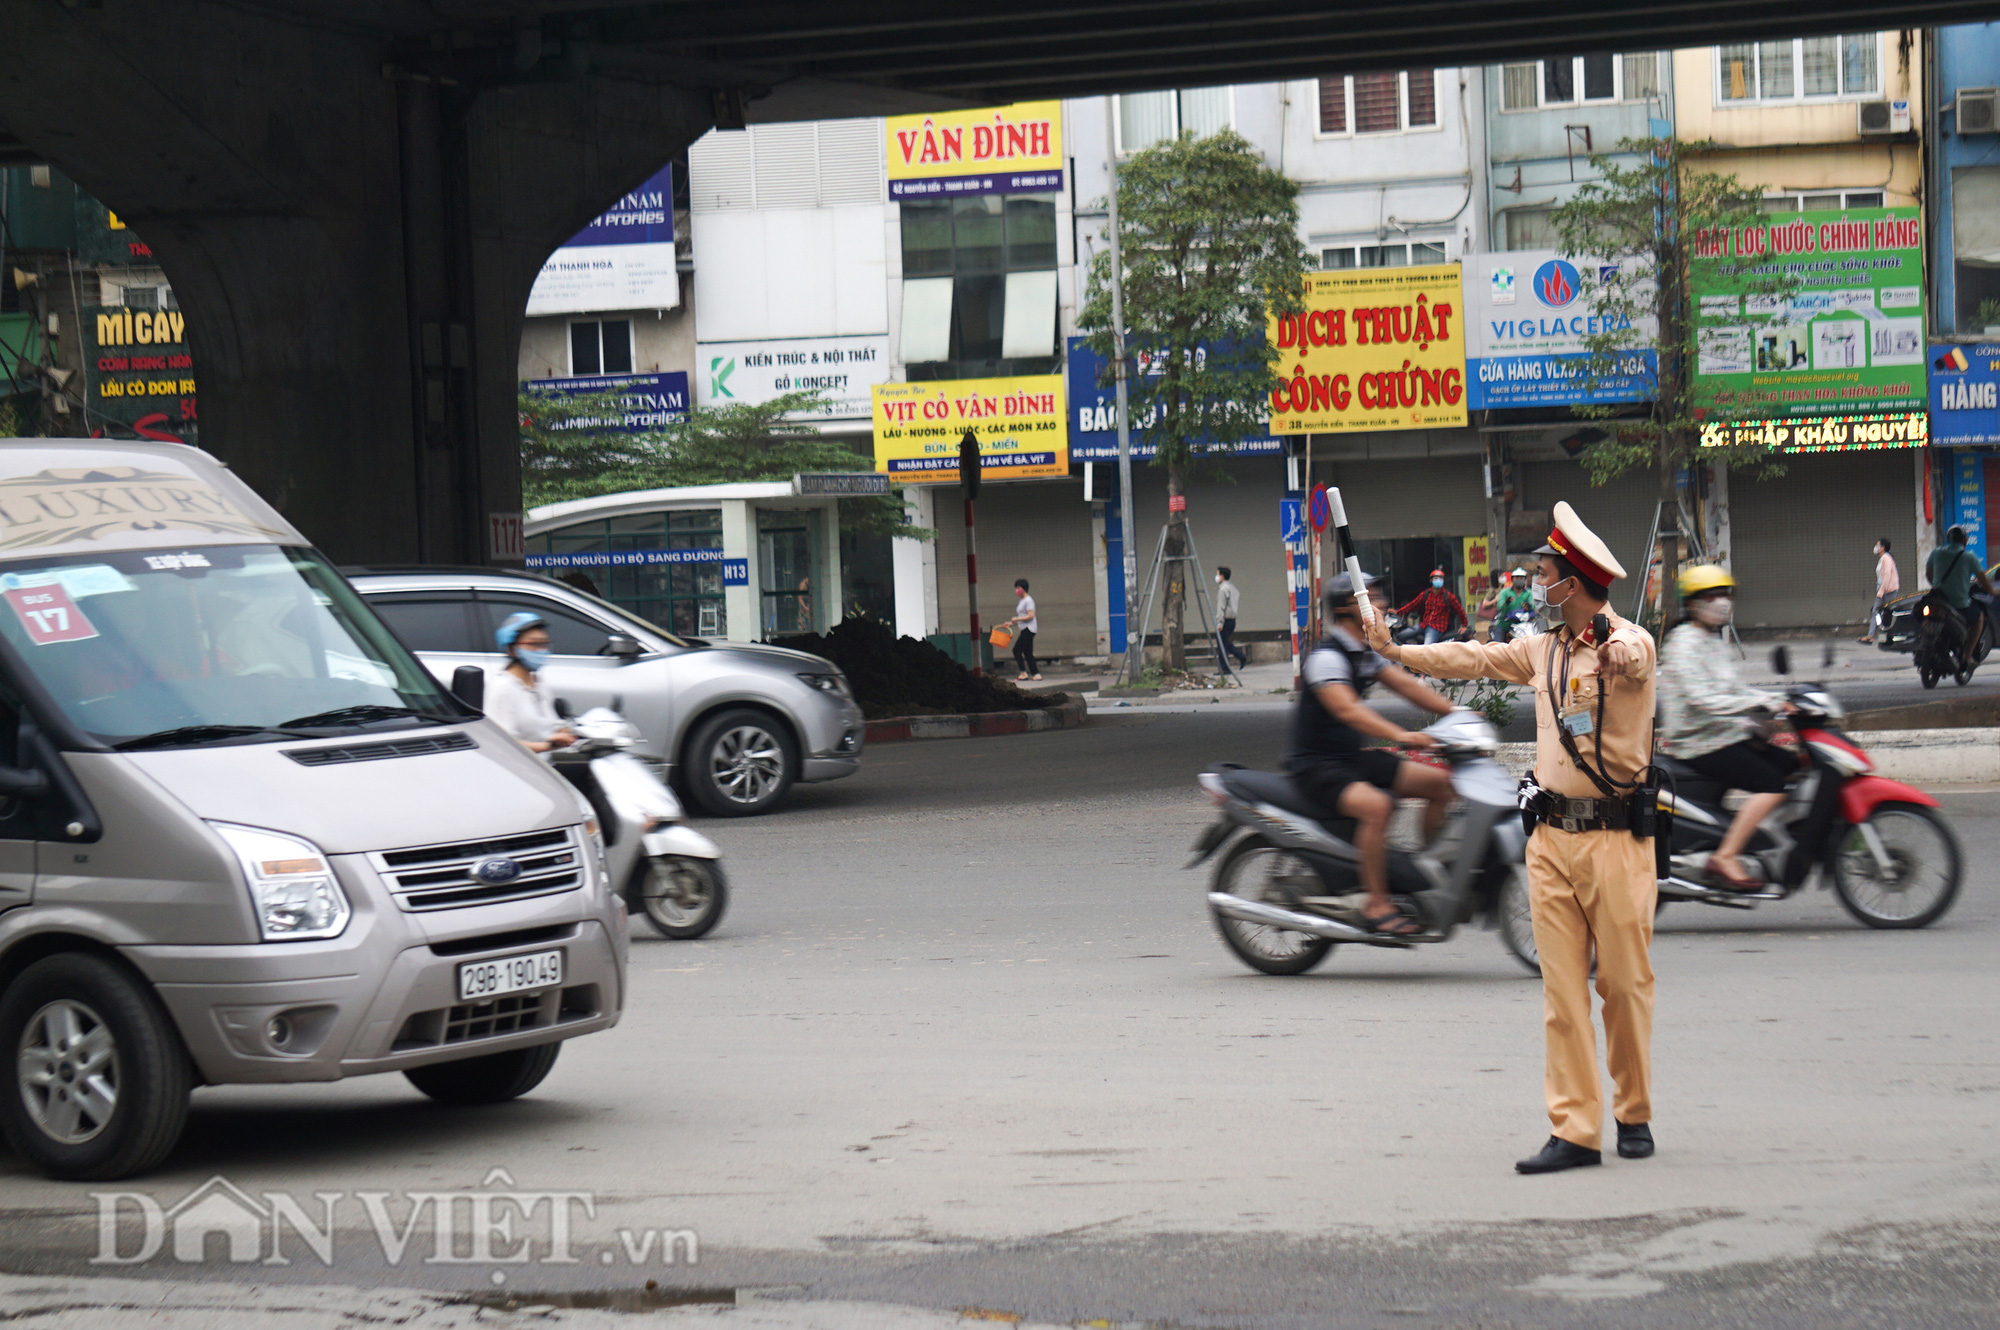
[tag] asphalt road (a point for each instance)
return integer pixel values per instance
(967, 1039)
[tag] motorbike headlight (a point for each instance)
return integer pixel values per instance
(826, 683)
(292, 886)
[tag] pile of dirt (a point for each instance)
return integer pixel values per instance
(900, 676)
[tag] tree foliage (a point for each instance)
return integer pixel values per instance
(1210, 251)
(1644, 215)
(568, 453)
(1643, 219)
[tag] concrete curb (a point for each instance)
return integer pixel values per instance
(1067, 714)
(1917, 757)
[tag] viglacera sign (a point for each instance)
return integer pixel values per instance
(996, 150)
(1379, 349)
(1821, 434)
(1019, 423)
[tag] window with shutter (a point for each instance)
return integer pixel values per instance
(1423, 97)
(1333, 106)
(1375, 103)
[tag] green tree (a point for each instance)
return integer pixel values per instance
(1648, 214)
(566, 453)
(1210, 241)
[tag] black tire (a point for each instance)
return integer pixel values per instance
(1928, 676)
(1515, 921)
(1264, 949)
(740, 763)
(1907, 831)
(493, 1079)
(105, 1030)
(682, 899)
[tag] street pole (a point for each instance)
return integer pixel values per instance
(1134, 647)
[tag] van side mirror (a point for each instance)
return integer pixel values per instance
(621, 646)
(22, 783)
(1781, 660)
(468, 685)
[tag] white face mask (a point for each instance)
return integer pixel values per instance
(1550, 616)
(1714, 611)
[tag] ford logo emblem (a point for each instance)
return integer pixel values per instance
(497, 871)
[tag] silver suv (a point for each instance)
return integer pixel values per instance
(738, 722)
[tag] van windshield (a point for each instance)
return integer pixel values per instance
(216, 644)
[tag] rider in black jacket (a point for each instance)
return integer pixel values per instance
(1327, 759)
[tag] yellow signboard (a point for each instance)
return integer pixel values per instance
(1019, 423)
(1375, 349)
(998, 150)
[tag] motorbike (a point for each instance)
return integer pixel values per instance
(1945, 646)
(665, 869)
(1885, 847)
(1410, 633)
(1286, 886)
(1513, 624)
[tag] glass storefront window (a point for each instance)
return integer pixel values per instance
(683, 598)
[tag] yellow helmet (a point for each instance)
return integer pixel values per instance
(1699, 577)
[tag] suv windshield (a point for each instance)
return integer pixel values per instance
(209, 644)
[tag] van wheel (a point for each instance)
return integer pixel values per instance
(101, 1079)
(493, 1079)
(740, 763)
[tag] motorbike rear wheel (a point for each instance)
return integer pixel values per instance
(1515, 920)
(1924, 868)
(1252, 869)
(681, 897)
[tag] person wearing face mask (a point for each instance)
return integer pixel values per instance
(1711, 716)
(1228, 602)
(514, 698)
(1439, 612)
(1591, 876)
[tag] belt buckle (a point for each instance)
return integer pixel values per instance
(1570, 823)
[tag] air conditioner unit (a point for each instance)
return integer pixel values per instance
(1873, 118)
(1977, 108)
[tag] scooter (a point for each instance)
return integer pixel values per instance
(1287, 887)
(1884, 846)
(1945, 646)
(666, 870)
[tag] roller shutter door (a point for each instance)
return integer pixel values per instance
(1039, 530)
(1803, 539)
(1621, 513)
(1234, 524)
(1436, 496)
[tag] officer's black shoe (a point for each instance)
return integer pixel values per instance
(1558, 1155)
(1635, 1140)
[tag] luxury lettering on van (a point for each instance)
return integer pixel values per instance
(58, 506)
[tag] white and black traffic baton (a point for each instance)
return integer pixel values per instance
(1349, 559)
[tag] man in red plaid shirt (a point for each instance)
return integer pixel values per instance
(1439, 612)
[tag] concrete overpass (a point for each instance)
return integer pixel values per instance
(353, 197)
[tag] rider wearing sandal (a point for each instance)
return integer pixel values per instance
(1327, 759)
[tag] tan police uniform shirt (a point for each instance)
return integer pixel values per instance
(1628, 707)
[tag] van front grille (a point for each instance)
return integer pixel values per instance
(483, 872)
(376, 752)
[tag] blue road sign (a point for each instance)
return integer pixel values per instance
(1291, 521)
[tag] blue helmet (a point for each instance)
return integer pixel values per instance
(520, 621)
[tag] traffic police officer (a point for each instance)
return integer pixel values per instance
(1591, 874)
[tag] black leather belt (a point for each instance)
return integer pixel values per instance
(1566, 813)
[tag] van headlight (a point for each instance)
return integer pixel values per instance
(292, 886)
(593, 836)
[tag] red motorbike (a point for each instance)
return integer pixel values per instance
(1885, 847)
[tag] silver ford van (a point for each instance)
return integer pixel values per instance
(244, 835)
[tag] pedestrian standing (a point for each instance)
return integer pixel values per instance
(1591, 883)
(1025, 624)
(1888, 583)
(1228, 601)
(1438, 611)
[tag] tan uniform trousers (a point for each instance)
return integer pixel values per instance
(1597, 887)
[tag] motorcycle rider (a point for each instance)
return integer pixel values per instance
(1438, 611)
(1509, 599)
(1327, 760)
(1955, 575)
(1709, 716)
